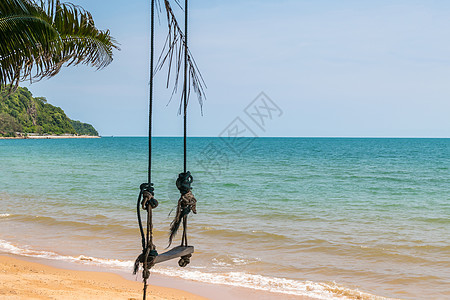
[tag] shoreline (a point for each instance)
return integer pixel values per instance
(44, 137)
(21, 279)
(62, 280)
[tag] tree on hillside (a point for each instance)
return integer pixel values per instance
(8, 125)
(39, 37)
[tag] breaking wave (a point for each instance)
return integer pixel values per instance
(238, 279)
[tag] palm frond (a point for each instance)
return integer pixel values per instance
(82, 42)
(41, 37)
(26, 36)
(173, 54)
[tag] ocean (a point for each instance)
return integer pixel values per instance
(330, 218)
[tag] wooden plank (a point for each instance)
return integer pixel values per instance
(174, 253)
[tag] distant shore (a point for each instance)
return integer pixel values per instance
(43, 137)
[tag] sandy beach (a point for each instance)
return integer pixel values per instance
(254, 150)
(28, 280)
(34, 278)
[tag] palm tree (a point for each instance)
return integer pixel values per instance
(38, 38)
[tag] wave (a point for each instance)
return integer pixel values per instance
(100, 226)
(237, 279)
(8, 247)
(271, 284)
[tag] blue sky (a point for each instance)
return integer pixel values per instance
(335, 68)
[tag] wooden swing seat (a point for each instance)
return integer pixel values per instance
(174, 253)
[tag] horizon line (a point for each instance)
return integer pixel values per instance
(318, 137)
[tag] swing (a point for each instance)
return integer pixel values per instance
(146, 201)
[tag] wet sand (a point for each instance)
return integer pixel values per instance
(28, 280)
(34, 278)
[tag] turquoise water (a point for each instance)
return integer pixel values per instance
(323, 217)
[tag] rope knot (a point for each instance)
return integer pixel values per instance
(188, 203)
(184, 182)
(147, 259)
(185, 260)
(148, 193)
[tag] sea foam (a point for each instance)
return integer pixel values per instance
(237, 279)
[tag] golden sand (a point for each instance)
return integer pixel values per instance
(27, 280)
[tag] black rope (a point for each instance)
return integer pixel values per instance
(149, 253)
(187, 201)
(185, 81)
(186, 204)
(147, 264)
(141, 229)
(150, 109)
(147, 202)
(184, 241)
(146, 198)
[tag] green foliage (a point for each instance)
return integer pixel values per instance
(9, 125)
(39, 37)
(83, 128)
(20, 112)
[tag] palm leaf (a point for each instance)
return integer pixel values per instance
(26, 36)
(83, 42)
(41, 37)
(172, 56)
